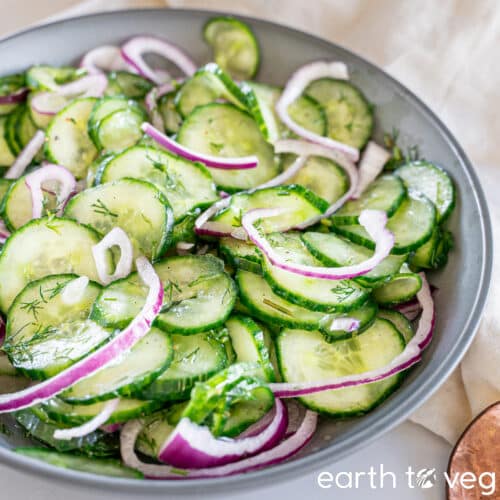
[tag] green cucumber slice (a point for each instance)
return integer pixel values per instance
(7, 157)
(235, 46)
(333, 250)
(128, 374)
(199, 296)
(95, 444)
(240, 254)
(305, 356)
(412, 226)
(314, 293)
(172, 119)
(366, 315)
(349, 114)
(302, 204)
(45, 77)
(99, 466)
(44, 335)
(127, 84)
(67, 414)
(401, 288)
(134, 205)
(196, 358)
(387, 193)
(9, 84)
(399, 321)
(43, 247)
(39, 119)
(185, 184)
(10, 130)
(433, 182)
(68, 142)
(25, 128)
(250, 343)
(224, 130)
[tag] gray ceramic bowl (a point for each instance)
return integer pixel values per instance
(462, 287)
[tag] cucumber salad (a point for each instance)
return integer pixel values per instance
(195, 264)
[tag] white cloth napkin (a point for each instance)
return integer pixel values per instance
(447, 53)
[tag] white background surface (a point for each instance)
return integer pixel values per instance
(407, 445)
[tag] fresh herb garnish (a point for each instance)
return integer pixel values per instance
(100, 208)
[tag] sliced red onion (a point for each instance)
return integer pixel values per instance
(134, 50)
(17, 96)
(53, 173)
(194, 446)
(409, 309)
(119, 238)
(372, 220)
(110, 428)
(166, 142)
(2, 331)
(294, 89)
(279, 453)
(184, 247)
(4, 232)
(49, 103)
(74, 290)
(152, 105)
(345, 324)
(104, 58)
(98, 359)
(224, 194)
(372, 163)
(410, 355)
(304, 148)
(26, 156)
(285, 176)
(90, 426)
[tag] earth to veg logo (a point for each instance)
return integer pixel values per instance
(425, 478)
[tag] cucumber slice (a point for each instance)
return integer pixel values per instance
(399, 321)
(172, 119)
(314, 293)
(320, 175)
(306, 356)
(412, 226)
(7, 157)
(43, 247)
(25, 128)
(387, 193)
(224, 130)
(17, 205)
(431, 181)
(302, 204)
(134, 205)
(9, 84)
(67, 414)
(95, 444)
(128, 85)
(240, 254)
(68, 142)
(262, 303)
(45, 77)
(366, 315)
(401, 288)
(10, 130)
(349, 114)
(186, 185)
(235, 46)
(184, 229)
(250, 344)
(136, 369)
(4, 188)
(44, 335)
(334, 251)
(199, 296)
(196, 358)
(39, 119)
(99, 466)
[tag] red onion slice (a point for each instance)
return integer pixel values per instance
(151, 102)
(26, 156)
(410, 355)
(296, 86)
(345, 324)
(134, 50)
(194, 446)
(104, 58)
(17, 96)
(285, 176)
(372, 220)
(74, 290)
(93, 424)
(372, 163)
(98, 359)
(4, 232)
(166, 142)
(279, 453)
(119, 238)
(49, 103)
(304, 148)
(49, 172)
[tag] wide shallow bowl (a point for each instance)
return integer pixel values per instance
(462, 287)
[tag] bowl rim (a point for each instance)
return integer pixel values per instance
(263, 477)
